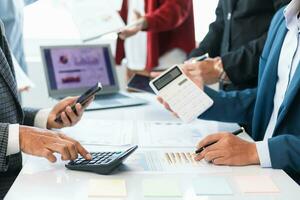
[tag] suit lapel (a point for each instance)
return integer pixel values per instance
(267, 84)
(289, 96)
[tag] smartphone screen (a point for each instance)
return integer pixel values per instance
(140, 83)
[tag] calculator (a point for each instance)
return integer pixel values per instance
(182, 94)
(102, 162)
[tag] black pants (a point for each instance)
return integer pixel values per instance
(6, 181)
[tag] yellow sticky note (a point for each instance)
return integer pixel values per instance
(161, 188)
(107, 188)
(256, 184)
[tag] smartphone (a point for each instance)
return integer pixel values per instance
(83, 99)
(140, 83)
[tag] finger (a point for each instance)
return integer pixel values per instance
(155, 74)
(49, 155)
(61, 149)
(71, 115)
(79, 110)
(220, 161)
(72, 149)
(160, 100)
(66, 121)
(81, 150)
(212, 155)
(198, 157)
(64, 103)
(210, 139)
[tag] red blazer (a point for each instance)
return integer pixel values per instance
(170, 25)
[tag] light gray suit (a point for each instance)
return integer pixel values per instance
(11, 112)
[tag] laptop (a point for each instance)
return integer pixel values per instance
(71, 70)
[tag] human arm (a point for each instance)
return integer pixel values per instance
(169, 15)
(211, 43)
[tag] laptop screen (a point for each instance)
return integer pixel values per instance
(76, 67)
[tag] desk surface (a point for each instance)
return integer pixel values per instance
(41, 180)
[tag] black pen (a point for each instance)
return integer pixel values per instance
(240, 130)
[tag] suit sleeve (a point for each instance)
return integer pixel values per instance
(241, 65)
(170, 15)
(234, 107)
(285, 152)
(29, 116)
(211, 43)
(4, 127)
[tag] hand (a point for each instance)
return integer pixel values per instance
(129, 32)
(44, 143)
(209, 70)
(63, 108)
(197, 80)
(228, 150)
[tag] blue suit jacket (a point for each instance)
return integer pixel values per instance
(255, 106)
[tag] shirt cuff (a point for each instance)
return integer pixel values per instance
(263, 154)
(13, 144)
(41, 118)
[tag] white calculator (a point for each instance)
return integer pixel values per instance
(182, 94)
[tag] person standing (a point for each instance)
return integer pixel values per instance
(164, 37)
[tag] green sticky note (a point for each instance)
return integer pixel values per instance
(212, 186)
(161, 188)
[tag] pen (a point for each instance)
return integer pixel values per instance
(200, 58)
(240, 130)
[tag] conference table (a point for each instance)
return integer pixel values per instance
(40, 179)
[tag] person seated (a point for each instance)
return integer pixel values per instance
(164, 36)
(17, 133)
(272, 109)
(234, 42)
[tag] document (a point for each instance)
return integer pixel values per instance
(169, 134)
(107, 188)
(94, 18)
(102, 132)
(161, 188)
(169, 162)
(256, 184)
(212, 186)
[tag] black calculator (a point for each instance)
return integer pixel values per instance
(102, 162)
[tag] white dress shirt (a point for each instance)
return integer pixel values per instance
(287, 65)
(13, 145)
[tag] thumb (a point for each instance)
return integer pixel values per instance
(60, 106)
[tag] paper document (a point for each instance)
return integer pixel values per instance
(256, 184)
(212, 186)
(107, 188)
(169, 134)
(169, 162)
(161, 188)
(94, 18)
(102, 132)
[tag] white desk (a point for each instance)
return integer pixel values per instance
(41, 180)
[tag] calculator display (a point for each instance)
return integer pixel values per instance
(167, 78)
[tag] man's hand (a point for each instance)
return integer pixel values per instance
(45, 143)
(63, 108)
(228, 150)
(129, 32)
(209, 69)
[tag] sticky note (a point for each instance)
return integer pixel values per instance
(107, 188)
(161, 188)
(212, 186)
(256, 184)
